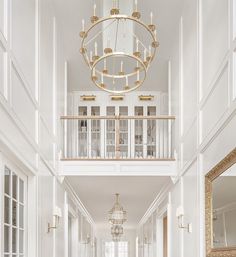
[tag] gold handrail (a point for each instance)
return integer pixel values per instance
(118, 117)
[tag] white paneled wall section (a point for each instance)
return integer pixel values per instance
(32, 98)
(202, 87)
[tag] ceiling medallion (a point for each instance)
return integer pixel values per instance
(115, 68)
(117, 216)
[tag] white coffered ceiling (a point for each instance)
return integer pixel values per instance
(71, 12)
(136, 195)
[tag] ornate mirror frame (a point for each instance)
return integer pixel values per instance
(220, 168)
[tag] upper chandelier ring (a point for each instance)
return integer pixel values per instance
(84, 34)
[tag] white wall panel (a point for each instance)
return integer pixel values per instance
(216, 104)
(191, 211)
(46, 143)
(220, 147)
(46, 63)
(234, 19)
(21, 103)
(45, 210)
(60, 240)
(2, 16)
(175, 236)
(189, 144)
(18, 142)
(189, 64)
(2, 69)
(23, 37)
(215, 38)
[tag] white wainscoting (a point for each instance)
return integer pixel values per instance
(3, 9)
(2, 70)
(191, 211)
(45, 143)
(46, 68)
(23, 38)
(216, 104)
(190, 62)
(189, 145)
(15, 139)
(46, 204)
(22, 104)
(215, 39)
(175, 233)
(221, 146)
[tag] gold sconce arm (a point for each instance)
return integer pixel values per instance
(56, 220)
(180, 216)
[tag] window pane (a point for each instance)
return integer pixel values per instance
(21, 241)
(7, 181)
(6, 238)
(14, 185)
(14, 240)
(14, 213)
(21, 184)
(7, 210)
(21, 216)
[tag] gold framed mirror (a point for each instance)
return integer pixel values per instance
(220, 208)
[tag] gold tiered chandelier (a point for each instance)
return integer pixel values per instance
(115, 67)
(117, 217)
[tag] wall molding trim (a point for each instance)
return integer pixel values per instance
(162, 195)
(74, 197)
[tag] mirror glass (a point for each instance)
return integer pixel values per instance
(224, 209)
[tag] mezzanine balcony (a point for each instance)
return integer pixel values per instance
(117, 143)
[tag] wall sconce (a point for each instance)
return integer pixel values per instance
(117, 97)
(180, 216)
(88, 97)
(146, 97)
(146, 241)
(87, 241)
(56, 219)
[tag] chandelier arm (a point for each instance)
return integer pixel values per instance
(99, 33)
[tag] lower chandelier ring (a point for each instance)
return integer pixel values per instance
(127, 88)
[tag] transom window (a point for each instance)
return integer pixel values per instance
(14, 214)
(117, 249)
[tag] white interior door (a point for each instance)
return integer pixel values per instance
(15, 212)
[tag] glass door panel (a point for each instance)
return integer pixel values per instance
(124, 132)
(138, 133)
(14, 214)
(82, 144)
(95, 133)
(110, 133)
(151, 133)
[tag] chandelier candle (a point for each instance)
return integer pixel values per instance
(96, 48)
(136, 5)
(94, 9)
(83, 25)
(105, 64)
(151, 16)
